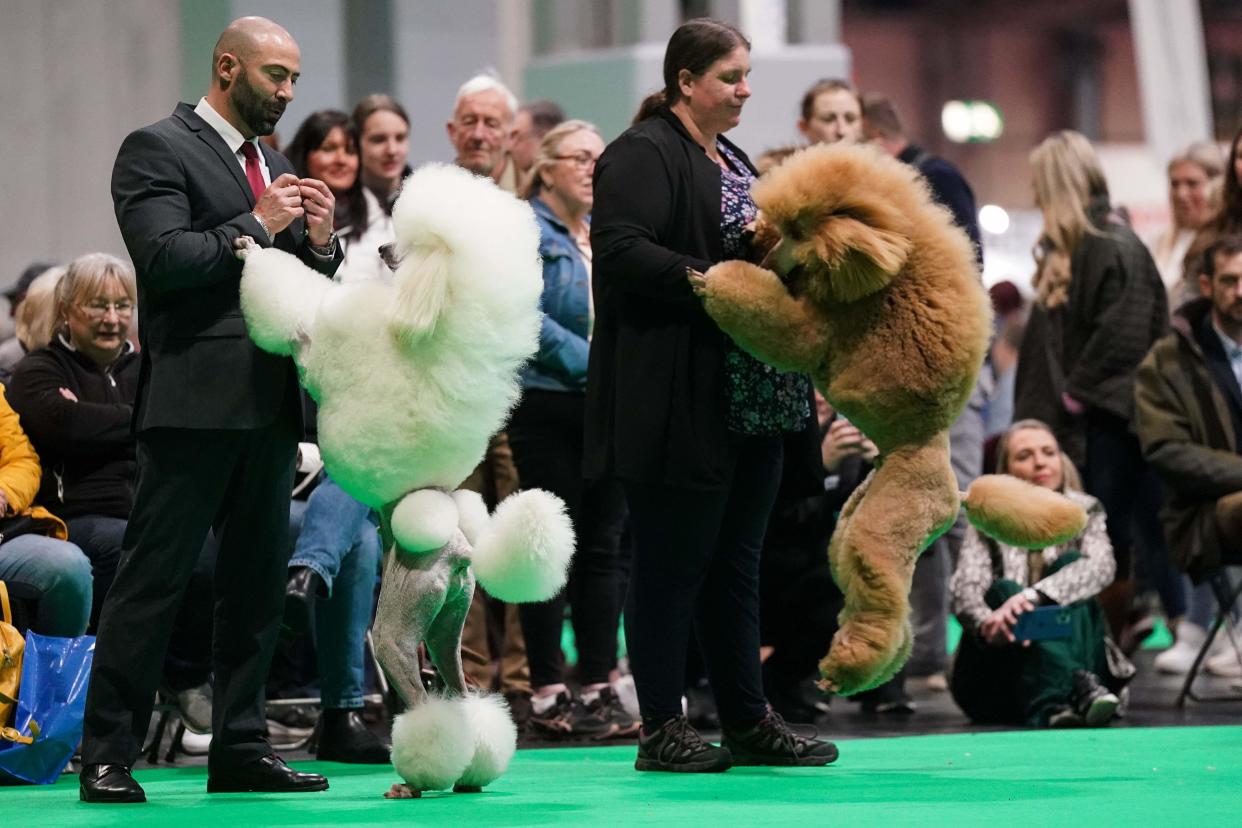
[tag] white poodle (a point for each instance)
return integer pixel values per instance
(412, 378)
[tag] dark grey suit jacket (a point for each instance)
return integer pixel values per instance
(181, 199)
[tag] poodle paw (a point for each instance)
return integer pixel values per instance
(242, 246)
(402, 791)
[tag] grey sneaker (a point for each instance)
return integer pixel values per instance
(194, 705)
(1094, 703)
(678, 748)
(771, 742)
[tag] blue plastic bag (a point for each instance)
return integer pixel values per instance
(55, 675)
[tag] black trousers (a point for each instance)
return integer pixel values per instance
(696, 566)
(189, 481)
(545, 434)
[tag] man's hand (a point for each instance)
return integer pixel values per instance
(997, 629)
(845, 440)
(319, 205)
(280, 203)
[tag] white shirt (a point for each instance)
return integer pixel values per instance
(232, 138)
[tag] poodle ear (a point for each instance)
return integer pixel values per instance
(862, 259)
(422, 284)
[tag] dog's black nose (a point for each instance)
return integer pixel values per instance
(388, 252)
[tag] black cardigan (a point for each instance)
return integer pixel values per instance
(86, 448)
(655, 399)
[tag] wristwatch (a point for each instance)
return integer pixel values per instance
(1032, 594)
(327, 251)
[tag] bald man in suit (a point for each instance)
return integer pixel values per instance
(217, 419)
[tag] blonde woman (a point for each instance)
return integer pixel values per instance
(545, 433)
(1100, 305)
(998, 678)
(34, 319)
(1194, 179)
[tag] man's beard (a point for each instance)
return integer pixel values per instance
(260, 114)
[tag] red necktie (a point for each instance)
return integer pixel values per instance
(253, 174)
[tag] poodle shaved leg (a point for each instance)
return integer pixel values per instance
(753, 307)
(405, 611)
(911, 501)
(444, 635)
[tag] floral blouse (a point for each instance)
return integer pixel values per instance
(762, 400)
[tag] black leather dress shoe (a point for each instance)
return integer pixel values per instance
(108, 783)
(301, 590)
(267, 775)
(345, 737)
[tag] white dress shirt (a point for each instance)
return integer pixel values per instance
(232, 137)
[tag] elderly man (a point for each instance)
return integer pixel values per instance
(217, 419)
(1188, 413)
(480, 131)
(481, 128)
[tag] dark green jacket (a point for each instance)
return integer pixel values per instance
(1187, 435)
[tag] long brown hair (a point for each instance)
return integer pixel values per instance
(694, 46)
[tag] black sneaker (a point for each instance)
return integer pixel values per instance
(677, 747)
(567, 718)
(771, 742)
(1094, 703)
(615, 723)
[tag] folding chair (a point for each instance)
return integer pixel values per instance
(1227, 595)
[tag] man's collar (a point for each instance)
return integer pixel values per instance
(232, 138)
(1232, 349)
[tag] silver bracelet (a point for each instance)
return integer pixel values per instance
(263, 224)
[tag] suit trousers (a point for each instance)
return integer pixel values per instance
(189, 481)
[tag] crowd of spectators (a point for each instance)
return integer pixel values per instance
(670, 498)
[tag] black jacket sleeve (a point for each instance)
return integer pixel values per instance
(60, 426)
(634, 205)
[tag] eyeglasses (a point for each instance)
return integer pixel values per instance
(99, 308)
(581, 160)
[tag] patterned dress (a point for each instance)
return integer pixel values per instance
(762, 400)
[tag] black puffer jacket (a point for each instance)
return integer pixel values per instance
(86, 447)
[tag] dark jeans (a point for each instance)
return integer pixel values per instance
(1114, 474)
(696, 564)
(188, 660)
(545, 434)
(1024, 685)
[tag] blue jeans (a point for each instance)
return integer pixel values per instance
(338, 540)
(56, 574)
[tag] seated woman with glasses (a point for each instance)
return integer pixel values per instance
(75, 398)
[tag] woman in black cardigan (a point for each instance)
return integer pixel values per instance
(691, 425)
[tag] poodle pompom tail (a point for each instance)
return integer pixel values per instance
(524, 555)
(495, 738)
(1022, 514)
(280, 298)
(432, 744)
(424, 520)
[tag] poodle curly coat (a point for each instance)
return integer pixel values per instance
(868, 287)
(412, 378)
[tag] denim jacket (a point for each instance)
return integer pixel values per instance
(561, 363)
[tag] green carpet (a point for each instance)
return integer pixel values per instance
(1123, 776)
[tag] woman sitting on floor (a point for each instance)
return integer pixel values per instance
(1052, 682)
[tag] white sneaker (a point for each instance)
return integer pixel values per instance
(628, 695)
(1224, 664)
(1178, 659)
